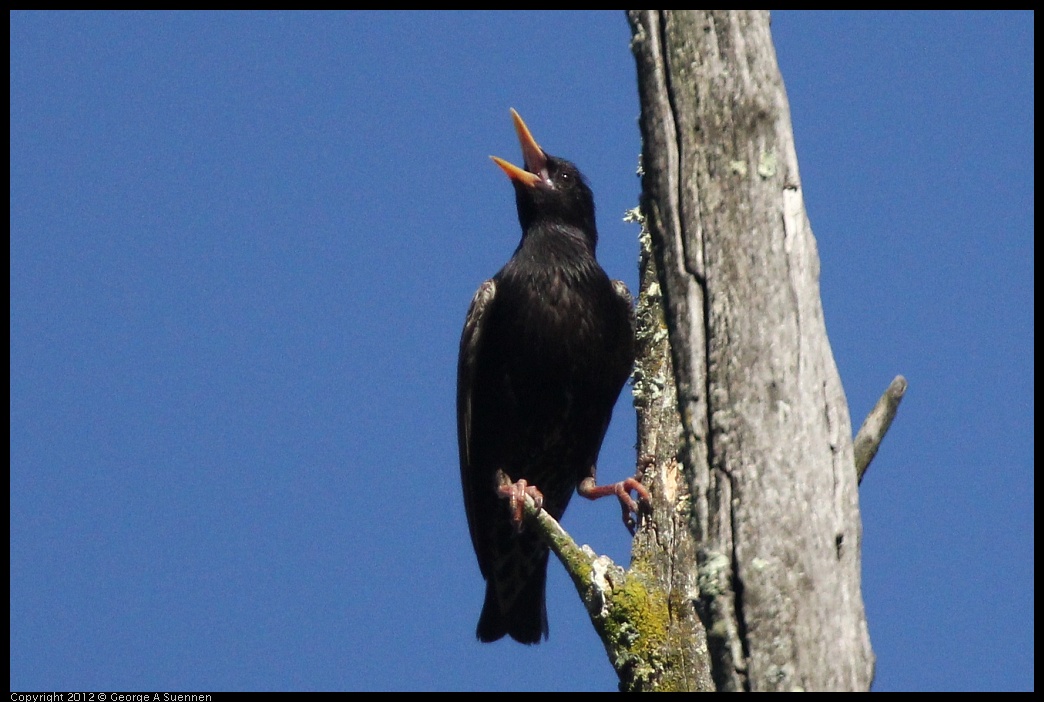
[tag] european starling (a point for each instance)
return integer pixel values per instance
(547, 346)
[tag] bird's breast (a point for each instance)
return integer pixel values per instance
(558, 314)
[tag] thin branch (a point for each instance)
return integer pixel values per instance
(876, 425)
(627, 609)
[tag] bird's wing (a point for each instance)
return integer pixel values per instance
(627, 348)
(620, 288)
(621, 368)
(470, 342)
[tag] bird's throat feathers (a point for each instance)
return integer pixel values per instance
(557, 244)
(550, 211)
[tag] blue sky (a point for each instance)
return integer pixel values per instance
(242, 247)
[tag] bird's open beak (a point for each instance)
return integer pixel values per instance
(535, 171)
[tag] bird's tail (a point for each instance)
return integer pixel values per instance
(520, 613)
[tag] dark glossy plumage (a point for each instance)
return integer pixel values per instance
(547, 346)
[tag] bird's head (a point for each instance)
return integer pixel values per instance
(549, 190)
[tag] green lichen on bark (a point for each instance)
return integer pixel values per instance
(633, 624)
(651, 655)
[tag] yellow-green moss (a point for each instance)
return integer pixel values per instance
(636, 627)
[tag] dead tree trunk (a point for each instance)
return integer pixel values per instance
(755, 534)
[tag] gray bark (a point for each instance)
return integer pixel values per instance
(760, 489)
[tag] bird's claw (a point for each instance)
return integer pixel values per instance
(622, 490)
(628, 505)
(515, 493)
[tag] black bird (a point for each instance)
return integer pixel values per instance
(547, 346)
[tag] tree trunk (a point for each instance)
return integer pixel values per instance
(755, 532)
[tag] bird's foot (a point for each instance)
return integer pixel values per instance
(587, 488)
(515, 493)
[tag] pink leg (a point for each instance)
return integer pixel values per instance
(587, 488)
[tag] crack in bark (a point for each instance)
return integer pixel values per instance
(730, 617)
